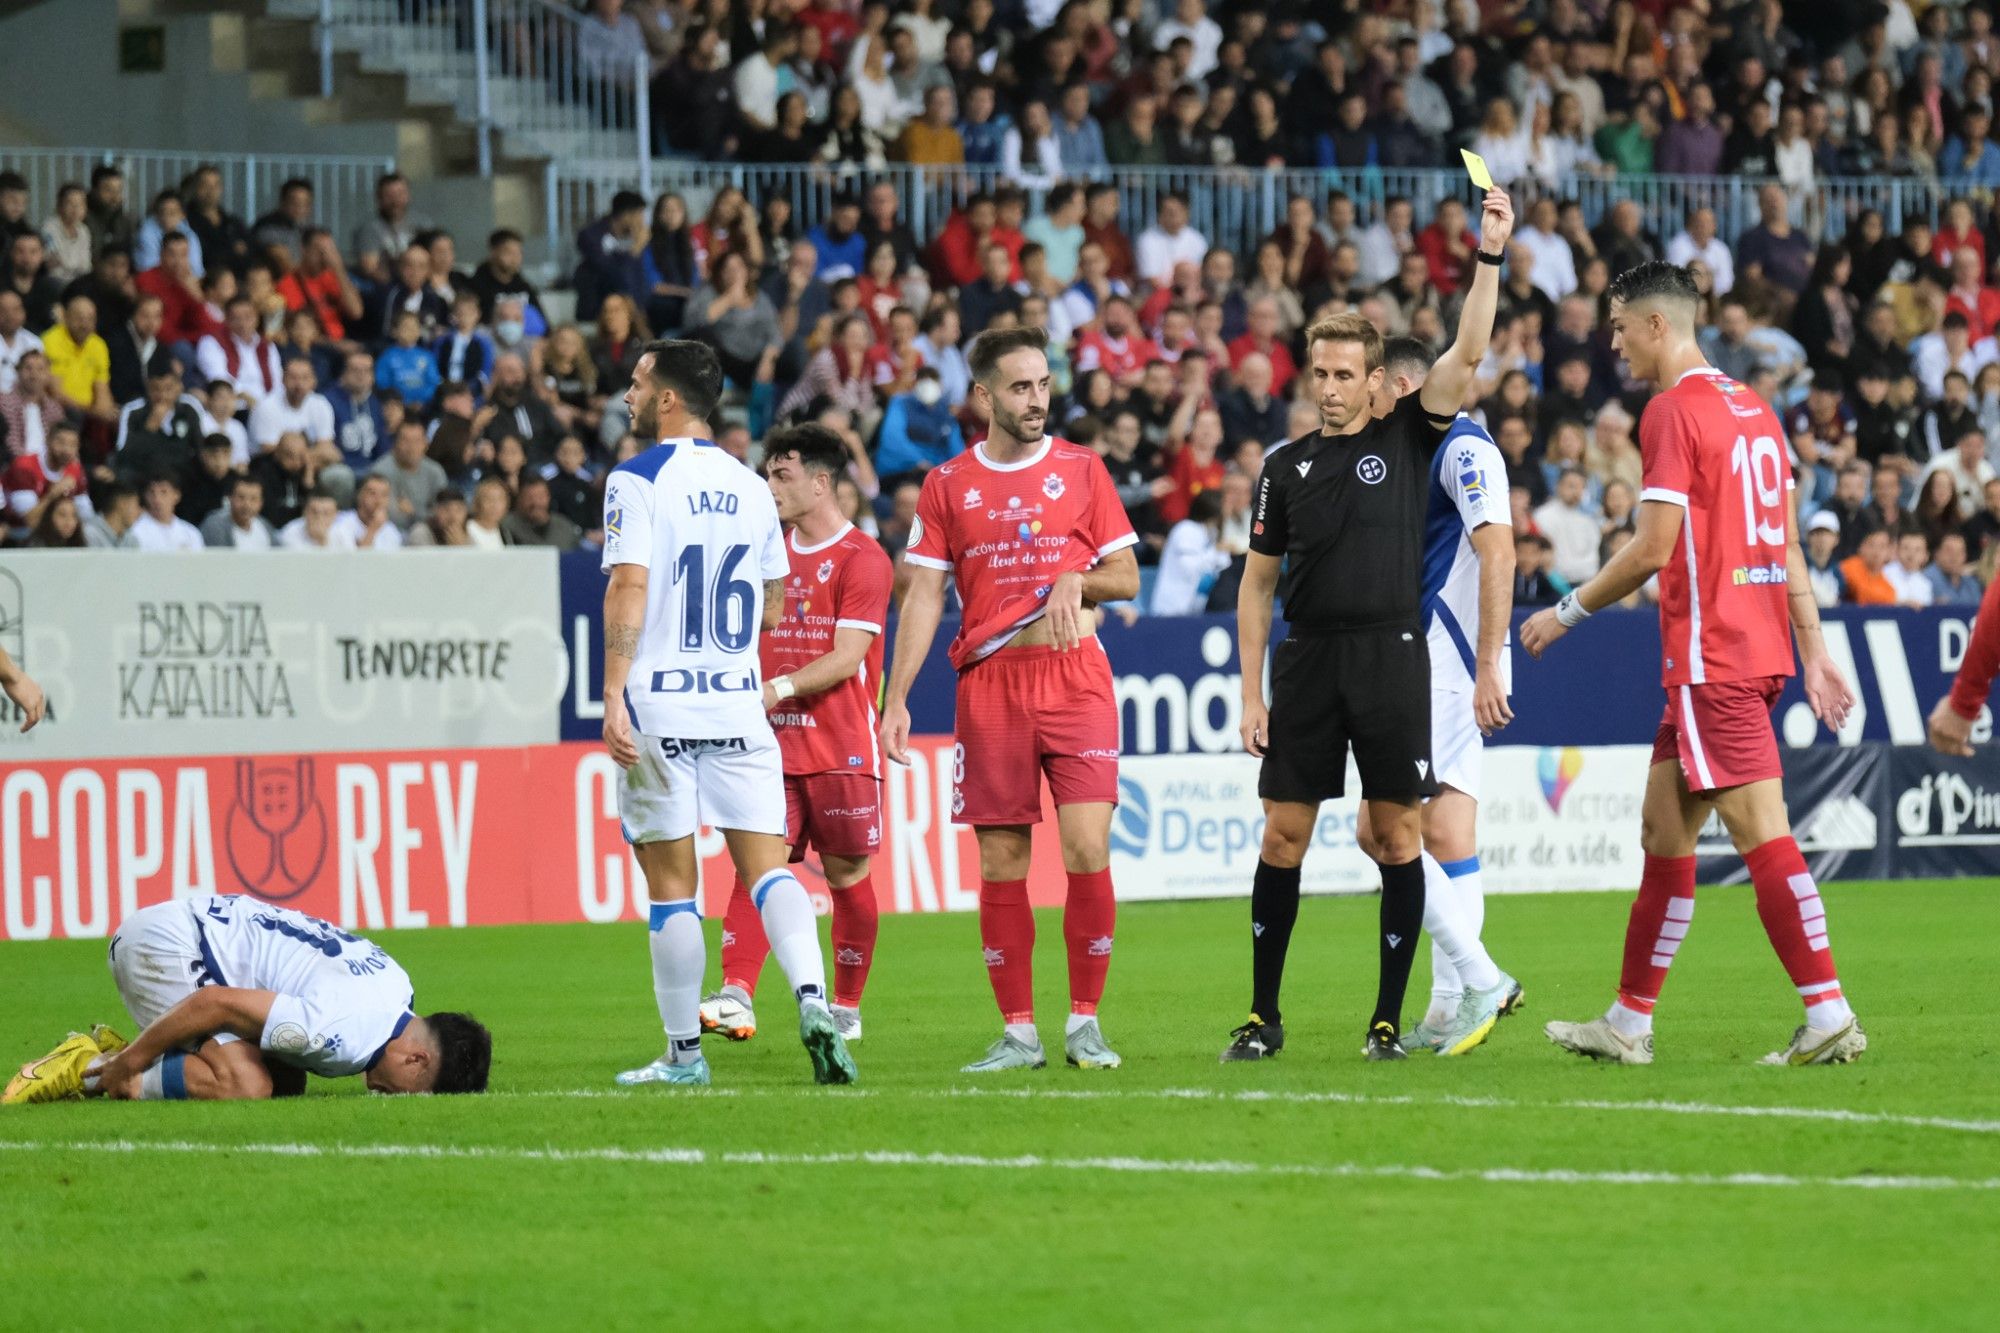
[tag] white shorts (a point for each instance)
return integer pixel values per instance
(680, 785)
(1458, 751)
(158, 959)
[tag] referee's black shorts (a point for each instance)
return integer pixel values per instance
(1365, 688)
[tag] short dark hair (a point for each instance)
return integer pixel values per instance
(13, 180)
(465, 1052)
(628, 201)
(690, 369)
(242, 479)
(1408, 356)
(295, 183)
(819, 448)
(985, 354)
(497, 238)
(104, 172)
(1654, 280)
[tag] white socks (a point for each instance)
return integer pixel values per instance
(793, 932)
(1024, 1033)
(1456, 952)
(679, 959)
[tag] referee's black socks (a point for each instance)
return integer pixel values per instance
(1274, 907)
(1402, 921)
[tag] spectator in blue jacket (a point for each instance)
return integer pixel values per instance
(360, 427)
(409, 369)
(842, 249)
(465, 352)
(918, 430)
(611, 248)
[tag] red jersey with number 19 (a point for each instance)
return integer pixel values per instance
(1713, 447)
(1006, 531)
(841, 583)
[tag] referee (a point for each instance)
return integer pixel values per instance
(1345, 507)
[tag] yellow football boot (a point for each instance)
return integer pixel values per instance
(107, 1039)
(56, 1077)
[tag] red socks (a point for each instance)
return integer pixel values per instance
(744, 947)
(1653, 933)
(1788, 903)
(856, 918)
(1089, 914)
(1007, 933)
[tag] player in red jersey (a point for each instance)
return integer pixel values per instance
(1030, 530)
(1952, 720)
(822, 667)
(1717, 524)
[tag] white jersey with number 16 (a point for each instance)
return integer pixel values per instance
(706, 529)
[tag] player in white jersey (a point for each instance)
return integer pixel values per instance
(697, 562)
(1468, 578)
(237, 998)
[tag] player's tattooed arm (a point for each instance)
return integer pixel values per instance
(624, 618)
(774, 603)
(622, 640)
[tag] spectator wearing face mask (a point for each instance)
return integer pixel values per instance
(918, 430)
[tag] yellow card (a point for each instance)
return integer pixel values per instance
(1475, 167)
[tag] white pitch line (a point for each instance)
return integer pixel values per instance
(1026, 1162)
(1826, 1114)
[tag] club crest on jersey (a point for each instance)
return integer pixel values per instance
(825, 570)
(972, 500)
(614, 521)
(1053, 487)
(916, 531)
(1371, 469)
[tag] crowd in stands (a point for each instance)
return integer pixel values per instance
(171, 375)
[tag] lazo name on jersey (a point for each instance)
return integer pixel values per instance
(711, 502)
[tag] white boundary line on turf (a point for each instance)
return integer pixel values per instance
(1828, 1114)
(1026, 1162)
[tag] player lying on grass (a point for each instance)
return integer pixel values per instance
(238, 1000)
(1718, 526)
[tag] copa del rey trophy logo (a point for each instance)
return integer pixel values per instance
(276, 828)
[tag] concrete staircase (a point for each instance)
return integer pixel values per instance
(243, 76)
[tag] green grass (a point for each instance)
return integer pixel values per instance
(243, 1239)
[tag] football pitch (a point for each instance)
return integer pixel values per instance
(1515, 1188)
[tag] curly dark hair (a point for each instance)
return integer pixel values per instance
(465, 1052)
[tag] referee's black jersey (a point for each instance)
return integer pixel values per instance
(1348, 513)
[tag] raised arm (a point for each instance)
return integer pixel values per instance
(1253, 641)
(921, 610)
(1443, 393)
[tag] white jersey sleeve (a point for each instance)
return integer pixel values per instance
(1468, 491)
(332, 1033)
(628, 519)
(1474, 475)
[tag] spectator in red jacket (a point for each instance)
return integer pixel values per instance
(1262, 339)
(172, 280)
(1970, 295)
(1116, 344)
(1447, 246)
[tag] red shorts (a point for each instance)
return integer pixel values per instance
(840, 814)
(1023, 712)
(1721, 734)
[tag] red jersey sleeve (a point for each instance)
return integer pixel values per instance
(1666, 451)
(862, 599)
(930, 541)
(1106, 521)
(1982, 658)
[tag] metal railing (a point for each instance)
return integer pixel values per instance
(343, 184)
(1235, 207)
(533, 69)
